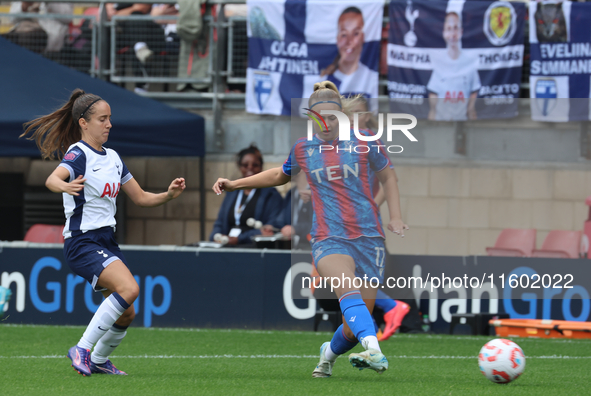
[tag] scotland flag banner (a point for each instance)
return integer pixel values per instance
(443, 55)
(293, 44)
(560, 66)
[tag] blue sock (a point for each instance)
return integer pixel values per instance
(340, 343)
(356, 314)
(375, 325)
(384, 302)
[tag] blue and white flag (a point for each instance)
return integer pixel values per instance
(455, 60)
(560, 66)
(293, 44)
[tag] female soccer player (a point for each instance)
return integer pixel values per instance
(89, 178)
(347, 238)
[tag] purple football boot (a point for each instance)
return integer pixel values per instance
(105, 368)
(80, 360)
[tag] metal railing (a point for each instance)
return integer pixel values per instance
(109, 59)
(112, 57)
(80, 41)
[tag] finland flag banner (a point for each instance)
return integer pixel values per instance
(560, 66)
(293, 44)
(444, 55)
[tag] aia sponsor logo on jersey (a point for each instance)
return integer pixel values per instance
(111, 190)
(454, 97)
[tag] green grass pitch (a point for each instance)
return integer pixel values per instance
(239, 362)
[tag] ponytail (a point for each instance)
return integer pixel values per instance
(54, 133)
(325, 90)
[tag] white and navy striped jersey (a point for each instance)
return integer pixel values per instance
(95, 206)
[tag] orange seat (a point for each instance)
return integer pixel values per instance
(514, 242)
(45, 233)
(560, 244)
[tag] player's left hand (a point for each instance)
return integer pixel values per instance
(397, 226)
(176, 187)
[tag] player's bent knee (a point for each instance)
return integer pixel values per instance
(132, 291)
(127, 317)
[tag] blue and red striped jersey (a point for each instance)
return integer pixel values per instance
(340, 176)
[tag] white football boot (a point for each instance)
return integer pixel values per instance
(324, 367)
(371, 359)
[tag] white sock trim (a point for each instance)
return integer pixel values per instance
(371, 342)
(329, 354)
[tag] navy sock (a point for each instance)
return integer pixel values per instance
(340, 343)
(357, 315)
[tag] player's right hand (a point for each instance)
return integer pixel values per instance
(74, 186)
(222, 185)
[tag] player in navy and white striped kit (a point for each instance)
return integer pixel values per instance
(89, 178)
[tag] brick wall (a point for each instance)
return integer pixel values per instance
(460, 211)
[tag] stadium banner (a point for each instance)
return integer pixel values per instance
(254, 289)
(456, 51)
(560, 61)
(242, 289)
(293, 44)
(523, 287)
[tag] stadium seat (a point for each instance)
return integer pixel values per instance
(514, 242)
(560, 244)
(45, 233)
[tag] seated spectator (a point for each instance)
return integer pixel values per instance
(263, 204)
(42, 35)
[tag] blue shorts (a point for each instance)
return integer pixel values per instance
(89, 254)
(367, 252)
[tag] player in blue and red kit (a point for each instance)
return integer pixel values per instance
(347, 237)
(89, 177)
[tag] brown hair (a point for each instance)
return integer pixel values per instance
(57, 131)
(325, 90)
(252, 149)
(351, 102)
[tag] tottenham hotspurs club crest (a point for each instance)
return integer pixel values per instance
(410, 38)
(500, 23)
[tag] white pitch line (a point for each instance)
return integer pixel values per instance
(277, 357)
(287, 332)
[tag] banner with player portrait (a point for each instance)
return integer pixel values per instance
(560, 66)
(293, 43)
(443, 55)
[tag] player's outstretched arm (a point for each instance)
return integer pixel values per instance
(389, 182)
(269, 178)
(148, 199)
(56, 182)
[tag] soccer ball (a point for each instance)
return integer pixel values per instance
(501, 360)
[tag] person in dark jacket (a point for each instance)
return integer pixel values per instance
(262, 204)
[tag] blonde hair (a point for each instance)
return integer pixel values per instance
(54, 133)
(325, 90)
(351, 102)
